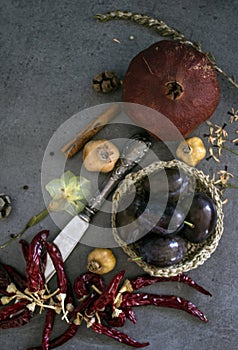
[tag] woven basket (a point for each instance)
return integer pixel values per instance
(197, 253)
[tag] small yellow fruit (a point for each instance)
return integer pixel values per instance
(100, 155)
(101, 260)
(191, 151)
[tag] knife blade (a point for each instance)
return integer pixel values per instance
(132, 153)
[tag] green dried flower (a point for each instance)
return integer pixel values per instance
(68, 194)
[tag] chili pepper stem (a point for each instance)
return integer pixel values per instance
(116, 312)
(6, 300)
(96, 289)
(78, 320)
(98, 317)
(23, 296)
(126, 287)
(64, 317)
(31, 306)
(47, 306)
(11, 288)
(90, 321)
(45, 297)
(62, 297)
(34, 298)
(118, 300)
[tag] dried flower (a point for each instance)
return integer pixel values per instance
(211, 139)
(234, 118)
(235, 140)
(221, 181)
(224, 177)
(217, 137)
(233, 115)
(212, 155)
(67, 194)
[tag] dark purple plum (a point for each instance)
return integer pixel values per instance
(131, 212)
(162, 221)
(126, 220)
(203, 216)
(171, 182)
(162, 251)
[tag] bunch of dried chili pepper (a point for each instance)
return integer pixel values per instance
(103, 308)
(21, 297)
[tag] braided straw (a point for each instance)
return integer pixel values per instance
(197, 253)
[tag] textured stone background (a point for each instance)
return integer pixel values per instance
(49, 51)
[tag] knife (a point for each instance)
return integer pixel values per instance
(132, 153)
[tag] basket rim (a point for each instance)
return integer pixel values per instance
(200, 252)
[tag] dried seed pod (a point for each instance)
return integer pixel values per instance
(5, 206)
(106, 82)
(101, 260)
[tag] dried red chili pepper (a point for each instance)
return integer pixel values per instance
(25, 251)
(35, 279)
(15, 277)
(108, 295)
(4, 279)
(70, 296)
(58, 263)
(18, 320)
(84, 304)
(129, 314)
(117, 335)
(83, 283)
(170, 301)
(24, 248)
(57, 260)
(43, 263)
(49, 323)
(66, 336)
(143, 281)
(62, 339)
(9, 311)
(4, 293)
(72, 329)
(190, 282)
(117, 321)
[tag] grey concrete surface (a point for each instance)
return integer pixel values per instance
(49, 52)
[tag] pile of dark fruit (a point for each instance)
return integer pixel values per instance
(166, 216)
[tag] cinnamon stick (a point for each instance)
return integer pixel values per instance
(74, 145)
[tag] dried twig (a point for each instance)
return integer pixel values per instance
(74, 145)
